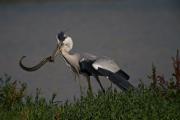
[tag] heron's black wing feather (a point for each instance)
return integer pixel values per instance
(86, 67)
(123, 74)
(119, 78)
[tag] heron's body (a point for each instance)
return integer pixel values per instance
(90, 65)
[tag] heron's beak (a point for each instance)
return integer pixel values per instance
(56, 51)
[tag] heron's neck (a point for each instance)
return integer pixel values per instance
(65, 53)
(72, 59)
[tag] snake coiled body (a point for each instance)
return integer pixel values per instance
(37, 66)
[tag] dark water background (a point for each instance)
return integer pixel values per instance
(135, 34)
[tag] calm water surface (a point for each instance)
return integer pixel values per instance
(135, 35)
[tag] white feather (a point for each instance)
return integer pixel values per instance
(67, 44)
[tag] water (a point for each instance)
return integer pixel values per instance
(134, 34)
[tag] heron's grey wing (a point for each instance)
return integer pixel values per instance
(107, 64)
(109, 68)
(87, 56)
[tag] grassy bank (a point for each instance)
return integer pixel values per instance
(159, 101)
(142, 103)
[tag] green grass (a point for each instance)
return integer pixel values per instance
(159, 101)
(141, 103)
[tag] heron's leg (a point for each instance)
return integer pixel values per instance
(78, 78)
(89, 83)
(99, 82)
(81, 89)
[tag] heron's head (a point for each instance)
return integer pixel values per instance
(65, 42)
(61, 36)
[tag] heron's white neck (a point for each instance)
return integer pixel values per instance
(72, 60)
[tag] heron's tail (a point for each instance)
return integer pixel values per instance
(119, 78)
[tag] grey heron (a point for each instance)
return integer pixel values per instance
(85, 64)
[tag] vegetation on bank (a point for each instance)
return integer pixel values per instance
(160, 100)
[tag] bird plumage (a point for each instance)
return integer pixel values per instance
(90, 65)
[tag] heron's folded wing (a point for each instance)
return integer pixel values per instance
(108, 68)
(116, 78)
(107, 64)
